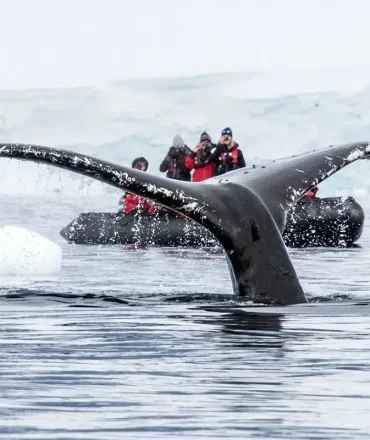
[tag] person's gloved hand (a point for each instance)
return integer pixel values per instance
(202, 158)
(172, 152)
(192, 154)
(228, 159)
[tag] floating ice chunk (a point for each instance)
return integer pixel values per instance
(24, 252)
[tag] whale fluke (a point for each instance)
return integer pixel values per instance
(244, 209)
(282, 182)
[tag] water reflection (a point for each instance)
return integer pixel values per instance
(245, 328)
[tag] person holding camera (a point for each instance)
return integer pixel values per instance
(203, 168)
(228, 155)
(178, 162)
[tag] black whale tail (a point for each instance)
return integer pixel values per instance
(245, 209)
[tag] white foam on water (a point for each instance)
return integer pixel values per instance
(25, 253)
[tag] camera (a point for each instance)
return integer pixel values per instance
(202, 157)
(174, 152)
(228, 159)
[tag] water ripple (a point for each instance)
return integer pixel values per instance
(152, 344)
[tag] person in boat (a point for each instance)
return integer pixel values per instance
(136, 204)
(227, 156)
(140, 163)
(178, 161)
(203, 168)
(132, 203)
(311, 194)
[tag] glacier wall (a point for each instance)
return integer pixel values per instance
(272, 115)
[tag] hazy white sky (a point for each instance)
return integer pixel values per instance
(47, 43)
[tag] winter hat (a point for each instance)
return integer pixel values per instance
(227, 131)
(205, 137)
(178, 142)
(138, 160)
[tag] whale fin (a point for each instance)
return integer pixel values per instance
(244, 209)
(282, 182)
(177, 195)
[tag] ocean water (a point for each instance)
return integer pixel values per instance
(153, 344)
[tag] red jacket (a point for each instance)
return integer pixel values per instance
(310, 195)
(133, 202)
(201, 172)
(204, 173)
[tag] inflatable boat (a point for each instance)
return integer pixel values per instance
(329, 222)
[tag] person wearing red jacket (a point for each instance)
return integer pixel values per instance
(311, 194)
(133, 203)
(203, 168)
(227, 156)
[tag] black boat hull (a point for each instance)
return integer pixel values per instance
(329, 222)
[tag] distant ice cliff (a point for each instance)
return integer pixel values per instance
(272, 115)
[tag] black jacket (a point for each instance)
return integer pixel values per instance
(224, 158)
(177, 164)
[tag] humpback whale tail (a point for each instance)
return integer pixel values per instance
(244, 209)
